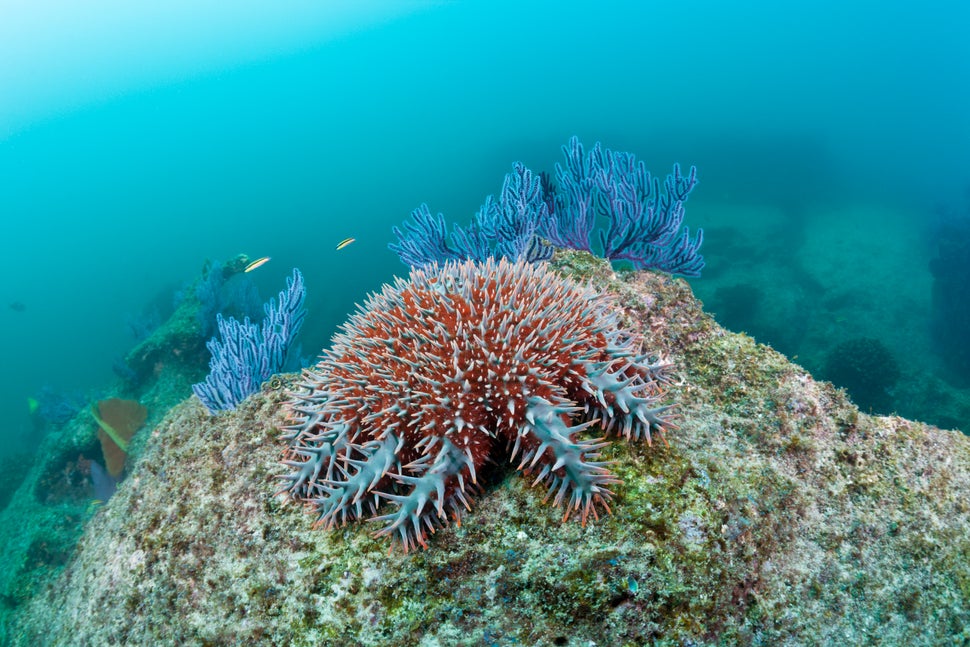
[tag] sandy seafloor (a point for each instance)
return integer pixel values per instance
(829, 274)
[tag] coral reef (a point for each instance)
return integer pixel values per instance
(247, 354)
(41, 524)
(457, 366)
(56, 407)
(61, 484)
(532, 216)
(141, 325)
(179, 342)
(777, 515)
(645, 222)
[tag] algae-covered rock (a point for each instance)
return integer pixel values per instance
(778, 514)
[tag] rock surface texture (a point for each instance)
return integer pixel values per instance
(778, 514)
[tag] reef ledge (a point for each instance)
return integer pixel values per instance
(778, 514)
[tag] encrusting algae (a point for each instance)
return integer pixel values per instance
(777, 514)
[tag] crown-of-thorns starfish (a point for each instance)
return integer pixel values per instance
(458, 365)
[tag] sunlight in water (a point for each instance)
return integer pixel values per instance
(57, 55)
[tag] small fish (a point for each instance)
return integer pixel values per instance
(18, 306)
(259, 262)
(344, 243)
(632, 585)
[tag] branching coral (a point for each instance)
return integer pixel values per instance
(509, 227)
(247, 355)
(461, 364)
(533, 216)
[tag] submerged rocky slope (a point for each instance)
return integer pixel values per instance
(778, 514)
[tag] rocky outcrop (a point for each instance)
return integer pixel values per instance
(778, 514)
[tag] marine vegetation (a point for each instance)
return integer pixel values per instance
(118, 420)
(178, 344)
(532, 217)
(778, 515)
(247, 354)
(461, 365)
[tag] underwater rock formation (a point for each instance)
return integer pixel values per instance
(778, 514)
(65, 480)
(179, 343)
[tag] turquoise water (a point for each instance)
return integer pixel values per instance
(135, 146)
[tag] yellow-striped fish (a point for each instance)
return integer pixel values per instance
(344, 243)
(259, 262)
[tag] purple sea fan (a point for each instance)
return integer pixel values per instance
(611, 193)
(246, 354)
(460, 364)
(644, 221)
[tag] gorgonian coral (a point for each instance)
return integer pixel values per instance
(248, 354)
(462, 363)
(534, 215)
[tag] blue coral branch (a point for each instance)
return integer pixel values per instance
(245, 355)
(504, 228)
(521, 211)
(425, 239)
(643, 219)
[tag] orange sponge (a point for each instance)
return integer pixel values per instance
(119, 420)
